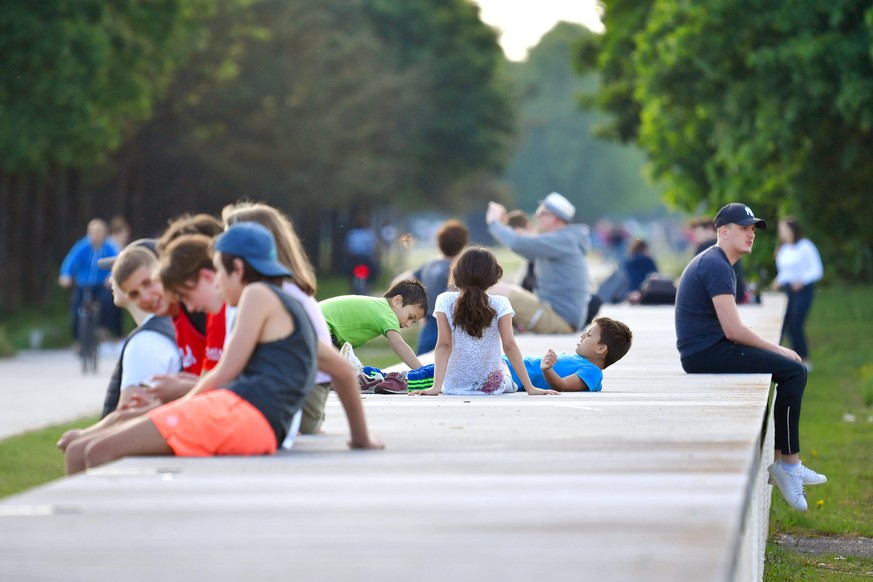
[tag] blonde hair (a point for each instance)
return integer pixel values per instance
(288, 248)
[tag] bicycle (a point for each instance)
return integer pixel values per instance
(87, 321)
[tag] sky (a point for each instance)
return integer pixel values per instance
(521, 23)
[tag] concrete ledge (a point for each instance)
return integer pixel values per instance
(659, 477)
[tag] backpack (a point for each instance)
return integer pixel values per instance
(657, 289)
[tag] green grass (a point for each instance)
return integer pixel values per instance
(51, 322)
(783, 564)
(31, 459)
(838, 389)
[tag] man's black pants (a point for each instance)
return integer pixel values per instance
(726, 357)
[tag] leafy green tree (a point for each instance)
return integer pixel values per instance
(329, 111)
(556, 148)
(465, 115)
(770, 103)
(78, 76)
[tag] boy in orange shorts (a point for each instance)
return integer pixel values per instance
(244, 405)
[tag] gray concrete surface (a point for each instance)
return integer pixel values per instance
(46, 387)
(649, 479)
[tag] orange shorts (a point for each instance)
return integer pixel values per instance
(218, 422)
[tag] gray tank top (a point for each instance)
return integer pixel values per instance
(279, 374)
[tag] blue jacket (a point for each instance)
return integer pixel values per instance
(81, 262)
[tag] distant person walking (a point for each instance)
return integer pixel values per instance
(119, 232)
(559, 251)
(712, 339)
(81, 272)
(799, 267)
(362, 253)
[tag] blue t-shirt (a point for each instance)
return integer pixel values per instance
(566, 365)
(707, 275)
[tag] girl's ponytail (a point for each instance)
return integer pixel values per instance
(474, 270)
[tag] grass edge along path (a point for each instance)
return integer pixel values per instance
(32, 458)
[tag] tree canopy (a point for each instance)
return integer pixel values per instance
(767, 103)
(78, 75)
(151, 110)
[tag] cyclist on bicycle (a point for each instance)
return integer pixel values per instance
(81, 271)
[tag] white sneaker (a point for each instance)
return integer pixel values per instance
(349, 354)
(810, 477)
(790, 483)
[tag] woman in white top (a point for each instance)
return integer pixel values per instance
(472, 326)
(799, 267)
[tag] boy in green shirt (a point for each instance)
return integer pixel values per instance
(357, 319)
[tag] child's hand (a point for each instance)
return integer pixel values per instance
(137, 406)
(549, 360)
(428, 392)
(539, 392)
(170, 387)
(372, 443)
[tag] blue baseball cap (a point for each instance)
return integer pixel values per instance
(254, 243)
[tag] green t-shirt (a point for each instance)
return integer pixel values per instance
(357, 319)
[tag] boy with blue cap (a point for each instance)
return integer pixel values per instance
(244, 405)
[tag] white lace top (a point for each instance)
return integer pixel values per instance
(475, 365)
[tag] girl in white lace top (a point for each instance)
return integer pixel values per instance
(472, 326)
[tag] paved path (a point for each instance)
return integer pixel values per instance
(44, 388)
(649, 479)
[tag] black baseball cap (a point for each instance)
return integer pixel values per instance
(736, 213)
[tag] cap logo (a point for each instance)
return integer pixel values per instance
(749, 211)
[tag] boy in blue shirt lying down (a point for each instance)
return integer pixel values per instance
(605, 342)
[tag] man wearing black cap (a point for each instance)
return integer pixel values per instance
(712, 340)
